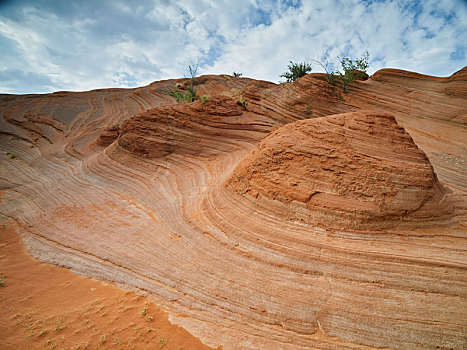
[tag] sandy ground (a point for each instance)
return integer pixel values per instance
(47, 307)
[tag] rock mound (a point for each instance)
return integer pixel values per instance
(358, 171)
(196, 129)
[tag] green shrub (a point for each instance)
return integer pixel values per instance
(296, 70)
(242, 102)
(237, 74)
(193, 69)
(205, 98)
(183, 97)
(351, 70)
(190, 94)
(308, 111)
(237, 95)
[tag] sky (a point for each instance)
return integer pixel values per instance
(53, 45)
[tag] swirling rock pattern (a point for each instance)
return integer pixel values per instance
(195, 129)
(331, 232)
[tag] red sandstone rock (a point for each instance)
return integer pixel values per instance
(355, 171)
(296, 245)
(108, 136)
(197, 129)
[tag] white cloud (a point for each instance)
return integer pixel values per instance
(68, 46)
(385, 29)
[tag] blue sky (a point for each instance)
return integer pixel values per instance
(73, 45)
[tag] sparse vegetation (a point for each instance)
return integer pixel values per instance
(144, 310)
(351, 71)
(193, 69)
(30, 335)
(60, 327)
(190, 94)
(162, 342)
(308, 111)
(237, 95)
(205, 98)
(242, 102)
(181, 96)
(11, 155)
(2, 279)
(296, 70)
(237, 74)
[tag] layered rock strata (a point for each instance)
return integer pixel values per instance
(195, 129)
(330, 233)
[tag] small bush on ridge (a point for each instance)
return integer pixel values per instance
(352, 70)
(296, 70)
(190, 94)
(183, 97)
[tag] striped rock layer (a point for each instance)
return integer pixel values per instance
(303, 221)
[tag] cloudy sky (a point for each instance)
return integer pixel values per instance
(50, 45)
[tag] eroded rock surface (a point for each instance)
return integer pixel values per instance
(335, 231)
(195, 129)
(355, 171)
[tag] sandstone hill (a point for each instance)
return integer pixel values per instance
(301, 221)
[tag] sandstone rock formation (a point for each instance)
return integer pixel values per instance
(195, 129)
(358, 171)
(335, 231)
